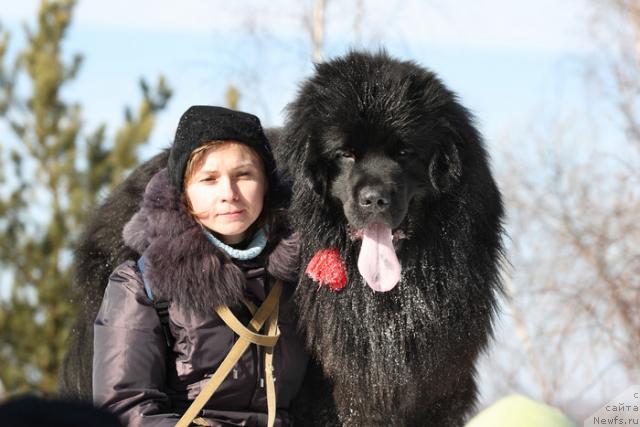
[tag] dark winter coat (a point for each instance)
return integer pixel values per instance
(136, 375)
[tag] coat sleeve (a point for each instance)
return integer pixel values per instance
(129, 354)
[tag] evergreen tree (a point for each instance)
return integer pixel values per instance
(51, 174)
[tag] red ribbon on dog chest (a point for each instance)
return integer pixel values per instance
(326, 268)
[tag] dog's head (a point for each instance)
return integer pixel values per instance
(379, 142)
(377, 134)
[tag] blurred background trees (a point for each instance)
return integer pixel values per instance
(573, 199)
(52, 171)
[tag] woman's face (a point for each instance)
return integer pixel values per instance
(227, 191)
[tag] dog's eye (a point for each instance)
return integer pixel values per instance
(404, 152)
(347, 154)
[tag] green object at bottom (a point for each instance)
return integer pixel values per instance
(520, 411)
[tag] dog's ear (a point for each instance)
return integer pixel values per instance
(445, 167)
(314, 170)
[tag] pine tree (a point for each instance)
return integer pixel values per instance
(51, 174)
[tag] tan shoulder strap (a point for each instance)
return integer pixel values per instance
(232, 321)
(272, 329)
(247, 335)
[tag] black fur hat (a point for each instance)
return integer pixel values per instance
(203, 123)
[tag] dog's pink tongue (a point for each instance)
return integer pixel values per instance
(377, 262)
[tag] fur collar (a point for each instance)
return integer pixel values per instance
(182, 265)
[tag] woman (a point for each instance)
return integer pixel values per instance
(210, 241)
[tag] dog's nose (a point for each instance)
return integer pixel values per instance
(374, 199)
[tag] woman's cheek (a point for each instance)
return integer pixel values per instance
(260, 188)
(201, 199)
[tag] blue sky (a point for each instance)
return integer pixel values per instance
(506, 60)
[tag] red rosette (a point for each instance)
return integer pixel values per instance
(326, 268)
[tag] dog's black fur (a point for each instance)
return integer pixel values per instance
(100, 250)
(406, 357)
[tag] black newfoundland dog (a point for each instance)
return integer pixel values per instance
(401, 244)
